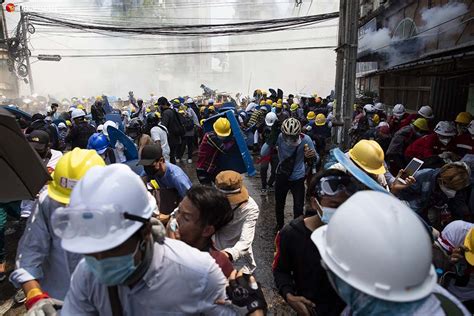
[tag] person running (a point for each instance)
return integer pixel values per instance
(297, 271)
(361, 249)
(293, 148)
(42, 266)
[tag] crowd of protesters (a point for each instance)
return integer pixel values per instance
(112, 234)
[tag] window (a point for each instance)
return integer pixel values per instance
(405, 29)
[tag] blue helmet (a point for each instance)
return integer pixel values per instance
(98, 142)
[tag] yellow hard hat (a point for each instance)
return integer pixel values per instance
(320, 119)
(368, 155)
(274, 104)
(80, 107)
(183, 108)
(158, 114)
(68, 123)
(262, 102)
(294, 107)
(98, 98)
(269, 102)
(202, 122)
(311, 115)
(376, 119)
(212, 108)
(181, 111)
(278, 105)
(421, 124)
(69, 170)
(280, 101)
(469, 244)
(148, 110)
(222, 127)
(464, 118)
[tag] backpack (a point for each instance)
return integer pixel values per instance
(177, 128)
(188, 123)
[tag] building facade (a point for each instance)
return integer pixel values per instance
(418, 53)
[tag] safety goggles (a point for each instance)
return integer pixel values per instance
(71, 222)
(333, 185)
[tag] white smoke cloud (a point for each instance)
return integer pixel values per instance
(375, 40)
(444, 18)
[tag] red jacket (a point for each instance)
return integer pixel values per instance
(464, 144)
(407, 120)
(395, 122)
(427, 146)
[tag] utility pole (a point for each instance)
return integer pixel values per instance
(346, 65)
(24, 30)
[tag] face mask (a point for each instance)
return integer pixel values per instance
(444, 141)
(113, 270)
(448, 192)
(328, 212)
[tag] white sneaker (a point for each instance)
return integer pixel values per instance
(190, 161)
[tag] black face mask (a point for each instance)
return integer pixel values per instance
(149, 170)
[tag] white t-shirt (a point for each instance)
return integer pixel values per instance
(160, 133)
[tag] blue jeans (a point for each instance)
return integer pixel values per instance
(12, 209)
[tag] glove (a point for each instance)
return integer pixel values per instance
(45, 307)
(246, 294)
(158, 231)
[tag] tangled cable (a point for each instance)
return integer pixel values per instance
(263, 26)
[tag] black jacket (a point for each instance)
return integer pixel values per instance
(297, 269)
(79, 135)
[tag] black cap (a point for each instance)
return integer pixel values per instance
(38, 139)
(150, 154)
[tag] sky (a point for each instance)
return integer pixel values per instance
(308, 71)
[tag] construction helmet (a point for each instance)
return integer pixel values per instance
(269, 102)
(274, 104)
(291, 127)
(106, 125)
(270, 119)
(368, 155)
(376, 119)
(202, 122)
(421, 124)
(426, 111)
(311, 115)
(211, 108)
(80, 107)
(463, 118)
(68, 123)
(320, 119)
(262, 103)
(158, 114)
(279, 105)
(294, 107)
(77, 113)
(222, 127)
(469, 244)
(445, 128)
(362, 245)
(69, 170)
(107, 206)
(369, 108)
(148, 110)
(280, 101)
(399, 110)
(379, 106)
(98, 142)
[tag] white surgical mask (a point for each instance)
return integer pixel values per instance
(448, 192)
(327, 212)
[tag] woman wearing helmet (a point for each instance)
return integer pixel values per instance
(441, 141)
(293, 148)
(371, 278)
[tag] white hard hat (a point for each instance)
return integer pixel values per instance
(76, 113)
(426, 111)
(470, 127)
(379, 106)
(270, 119)
(399, 110)
(107, 124)
(62, 125)
(100, 128)
(189, 101)
(377, 244)
(369, 108)
(98, 217)
(445, 128)
(210, 101)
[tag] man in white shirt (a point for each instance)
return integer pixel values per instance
(159, 134)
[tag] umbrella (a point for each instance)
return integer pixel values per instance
(22, 170)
